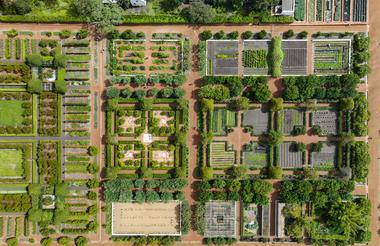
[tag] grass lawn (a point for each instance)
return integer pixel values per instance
(11, 113)
(11, 163)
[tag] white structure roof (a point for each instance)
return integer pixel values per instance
(288, 7)
(138, 3)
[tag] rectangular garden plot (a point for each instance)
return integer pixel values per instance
(251, 221)
(289, 157)
(16, 113)
(295, 59)
(220, 219)
(222, 57)
(15, 162)
(222, 119)
(221, 154)
(255, 155)
(130, 55)
(292, 118)
(326, 158)
(130, 122)
(360, 10)
(166, 55)
(255, 57)
(130, 155)
(332, 57)
(327, 120)
(257, 119)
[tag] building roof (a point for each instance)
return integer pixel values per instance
(109, 1)
(138, 3)
(288, 7)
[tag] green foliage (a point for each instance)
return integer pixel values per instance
(346, 104)
(82, 34)
(93, 151)
(35, 86)
(206, 105)
(205, 35)
(12, 33)
(60, 61)
(64, 241)
(274, 172)
(360, 116)
(276, 104)
(13, 241)
(246, 35)
(81, 241)
(360, 160)
(34, 60)
(255, 58)
(276, 56)
(112, 92)
(60, 86)
(275, 138)
(215, 92)
(239, 103)
(206, 173)
(198, 12)
(65, 34)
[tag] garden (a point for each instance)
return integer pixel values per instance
(222, 121)
(17, 111)
(293, 121)
(255, 155)
(295, 57)
(324, 158)
(332, 57)
(324, 122)
(360, 10)
(256, 121)
(290, 156)
(255, 57)
(221, 155)
(15, 163)
(222, 57)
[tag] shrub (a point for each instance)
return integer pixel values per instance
(140, 94)
(35, 86)
(215, 92)
(276, 56)
(274, 137)
(64, 241)
(219, 35)
(60, 61)
(261, 35)
(233, 35)
(82, 34)
(34, 60)
(206, 173)
(46, 241)
(205, 35)
(12, 33)
(65, 34)
(13, 241)
(93, 151)
(81, 241)
(289, 33)
(198, 12)
(61, 86)
(112, 92)
(303, 34)
(274, 172)
(246, 35)
(276, 104)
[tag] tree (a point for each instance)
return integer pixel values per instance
(81, 241)
(237, 172)
(112, 92)
(181, 137)
(198, 12)
(206, 173)
(205, 35)
(346, 104)
(82, 34)
(274, 172)
(93, 151)
(289, 33)
(34, 60)
(276, 104)
(206, 105)
(60, 86)
(233, 185)
(60, 61)
(207, 137)
(111, 173)
(239, 103)
(64, 241)
(171, 4)
(215, 92)
(13, 241)
(179, 92)
(166, 92)
(247, 35)
(35, 86)
(274, 137)
(34, 189)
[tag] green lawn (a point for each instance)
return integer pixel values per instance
(11, 113)
(11, 163)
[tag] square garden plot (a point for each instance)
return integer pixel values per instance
(130, 56)
(129, 155)
(222, 119)
(15, 162)
(130, 122)
(327, 120)
(295, 57)
(255, 155)
(221, 154)
(257, 119)
(220, 219)
(255, 57)
(289, 157)
(16, 113)
(292, 118)
(332, 57)
(222, 57)
(326, 158)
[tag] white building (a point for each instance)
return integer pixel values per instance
(138, 3)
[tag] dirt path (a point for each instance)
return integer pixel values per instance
(374, 102)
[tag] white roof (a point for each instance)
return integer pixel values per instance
(288, 7)
(138, 3)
